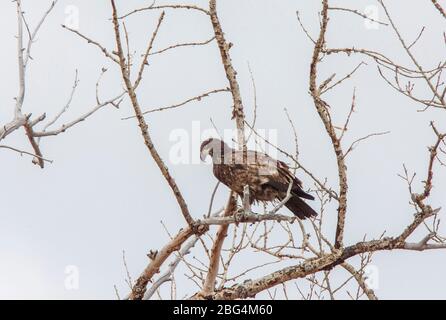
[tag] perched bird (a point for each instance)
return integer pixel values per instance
(268, 179)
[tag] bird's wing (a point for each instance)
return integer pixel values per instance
(270, 171)
(256, 163)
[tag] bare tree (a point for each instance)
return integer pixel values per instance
(37, 127)
(294, 249)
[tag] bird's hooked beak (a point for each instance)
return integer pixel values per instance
(203, 154)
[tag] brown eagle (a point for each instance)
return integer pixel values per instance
(268, 179)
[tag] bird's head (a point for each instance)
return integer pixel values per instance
(211, 147)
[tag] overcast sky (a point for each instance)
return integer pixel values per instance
(104, 194)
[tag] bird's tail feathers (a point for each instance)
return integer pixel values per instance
(299, 192)
(300, 208)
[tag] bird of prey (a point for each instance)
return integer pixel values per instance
(269, 180)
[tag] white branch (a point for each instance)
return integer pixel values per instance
(65, 108)
(22, 152)
(167, 276)
(36, 30)
(114, 101)
(21, 95)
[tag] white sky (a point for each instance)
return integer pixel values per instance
(104, 194)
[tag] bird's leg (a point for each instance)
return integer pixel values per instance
(238, 215)
(245, 210)
(246, 200)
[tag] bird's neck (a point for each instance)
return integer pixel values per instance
(224, 154)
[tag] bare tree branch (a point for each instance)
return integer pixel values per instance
(224, 47)
(439, 8)
(149, 48)
(356, 12)
(180, 45)
(360, 280)
(162, 7)
(143, 125)
(209, 284)
(174, 106)
(113, 101)
(25, 152)
(322, 109)
(93, 42)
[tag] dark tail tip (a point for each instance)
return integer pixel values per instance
(297, 206)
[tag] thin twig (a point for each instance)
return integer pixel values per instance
(196, 98)
(358, 14)
(180, 45)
